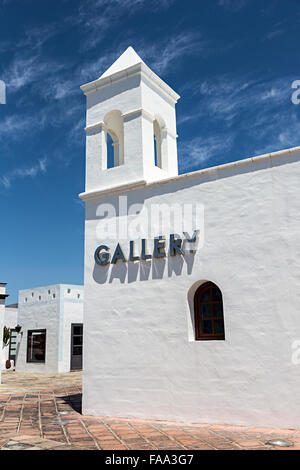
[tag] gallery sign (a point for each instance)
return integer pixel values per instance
(178, 246)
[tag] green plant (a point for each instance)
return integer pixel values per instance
(6, 335)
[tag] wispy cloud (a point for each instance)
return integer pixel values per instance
(233, 5)
(23, 71)
(280, 131)
(260, 110)
(228, 99)
(14, 126)
(278, 29)
(36, 36)
(201, 150)
(160, 56)
(96, 17)
(273, 34)
(163, 54)
(24, 172)
(58, 87)
(3, 3)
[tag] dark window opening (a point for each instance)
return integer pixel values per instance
(13, 344)
(110, 152)
(36, 346)
(76, 346)
(155, 152)
(208, 309)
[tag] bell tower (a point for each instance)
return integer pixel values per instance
(131, 126)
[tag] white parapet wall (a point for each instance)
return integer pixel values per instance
(51, 309)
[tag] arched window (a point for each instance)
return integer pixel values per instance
(110, 151)
(157, 143)
(208, 311)
(114, 128)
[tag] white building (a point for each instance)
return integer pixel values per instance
(172, 329)
(3, 296)
(51, 320)
(9, 350)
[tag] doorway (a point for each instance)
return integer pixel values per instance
(76, 346)
(13, 345)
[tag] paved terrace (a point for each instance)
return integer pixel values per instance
(43, 412)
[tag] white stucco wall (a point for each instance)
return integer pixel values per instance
(140, 357)
(140, 97)
(10, 321)
(72, 306)
(11, 316)
(2, 312)
(53, 309)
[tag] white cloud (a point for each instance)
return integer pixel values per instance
(24, 71)
(24, 172)
(96, 17)
(273, 34)
(228, 99)
(233, 5)
(36, 36)
(57, 87)
(261, 110)
(201, 150)
(14, 126)
(5, 2)
(280, 131)
(161, 55)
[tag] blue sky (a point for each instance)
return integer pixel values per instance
(232, 62)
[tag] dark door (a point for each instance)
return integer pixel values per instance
(76, 346)
(13, 345)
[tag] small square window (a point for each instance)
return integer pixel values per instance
(36, 346)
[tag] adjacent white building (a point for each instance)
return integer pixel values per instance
(185, 318)
(9, 350)
(51, 321)
(3, 296)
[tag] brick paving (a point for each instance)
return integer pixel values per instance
(39, 412)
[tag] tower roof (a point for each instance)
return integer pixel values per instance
(127, 59)
(127, 65)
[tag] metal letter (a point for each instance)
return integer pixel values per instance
(144, 255)
(191, 240)
(118, 254)
(131, 255)
(159, 247)
(175, 246)
(102, 258)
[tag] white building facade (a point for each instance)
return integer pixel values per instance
(10, 349)
(3, 297)
(51, 321)
(189, 316)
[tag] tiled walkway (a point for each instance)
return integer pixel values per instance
(17, 382)
(43, 412)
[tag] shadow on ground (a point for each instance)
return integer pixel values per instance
(74, 401)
